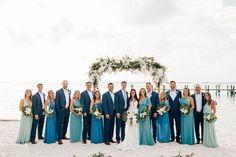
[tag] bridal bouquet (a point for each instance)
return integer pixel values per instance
(49, 112)
(211, 118)
(78, 110)
(162, 108)
(97, 112)
(184, 108)
(144, 114)
(129, 115)
(27, 111)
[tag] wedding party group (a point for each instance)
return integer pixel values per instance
(142, 117)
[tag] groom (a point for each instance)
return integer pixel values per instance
(154, 97)
(108, 100)
(38, 101)
(62, 105)
(174, 96)
(121, 105)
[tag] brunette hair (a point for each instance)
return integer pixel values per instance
(145, 94)
(94, 97)
(29, 90)
(135, 96)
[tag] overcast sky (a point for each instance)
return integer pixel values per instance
(52, 40)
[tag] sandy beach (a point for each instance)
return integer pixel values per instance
(225, 127)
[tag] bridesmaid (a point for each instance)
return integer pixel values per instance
(163, 125)
(75, 119)
(97, 125)
(209, 135)
(50, 134)
(187, 121)
(26, 121)
(145, 135)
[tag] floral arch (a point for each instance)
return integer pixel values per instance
(126, 63)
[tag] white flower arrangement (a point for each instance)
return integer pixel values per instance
(141, 64)
(27, 111)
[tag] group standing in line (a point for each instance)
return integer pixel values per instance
(137, 119)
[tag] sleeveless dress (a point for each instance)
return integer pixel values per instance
(76, 125)
(209, 135)
(131, 141)
(25, 127)
(145, 134)
(163, 126)
(187, 126)
(97, 127)
(50, 134)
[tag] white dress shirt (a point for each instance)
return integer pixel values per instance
(198, 102)
(90, 94)
(149, 94)
(112, 96)
(173, 94)
(67, 96)
(125, 97)
(42, 98)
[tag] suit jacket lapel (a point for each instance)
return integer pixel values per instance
(39, 97)
(109, 95)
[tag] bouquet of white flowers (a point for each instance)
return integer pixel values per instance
(129, 115)
(184, 108)
(211, 118)
(27, 111)
(97, 112)
(49, 113)
(78, 110)
(144, 114)
(162, 108)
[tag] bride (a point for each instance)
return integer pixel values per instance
(131, 141)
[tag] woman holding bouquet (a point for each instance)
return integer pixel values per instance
(97, 124)
(209, 135)
(76, 118)
(144, 106)
(163, 125)
(50, 134)
(187, 118)
(26, 118)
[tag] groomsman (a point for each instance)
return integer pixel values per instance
(86, 97)
(174, 96)
(198, 98)
(108, 100)
(38, 101)
(122, 105)
(62, 104)
(154, 97)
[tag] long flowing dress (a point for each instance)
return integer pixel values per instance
(131, 141)
(145, 134)
(163, 126)
(187, 125)
(25, 127)
(50, 134)
(209, 135)
(97, 127)
(76, 125)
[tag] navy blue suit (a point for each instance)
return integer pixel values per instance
(120, 108)
(155, 101)
(198, 117)
(108, 108)
(85, 101)
(37, 109)
(174, 114)
(63, 113)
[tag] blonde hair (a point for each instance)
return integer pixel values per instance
(74, 96)
(49, 92)
(29, 90)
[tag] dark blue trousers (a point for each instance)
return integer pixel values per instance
(87, 127)
(109, 128)
(37, 124)
(62, 122)
(120, 127)
(175, 116)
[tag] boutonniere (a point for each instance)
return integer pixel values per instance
(69, 91)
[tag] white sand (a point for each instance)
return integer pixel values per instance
(225, 128)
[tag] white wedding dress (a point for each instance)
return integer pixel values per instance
(131, 141)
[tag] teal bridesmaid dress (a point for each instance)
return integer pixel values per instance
(163, 126)
(209, 135)
(50, 134)
(187, 126)
(145, 135)
(25, 127)
(76, 125)
(97, 127)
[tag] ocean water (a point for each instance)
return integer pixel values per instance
(12, 93)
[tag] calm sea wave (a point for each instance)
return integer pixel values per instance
(12, 93)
